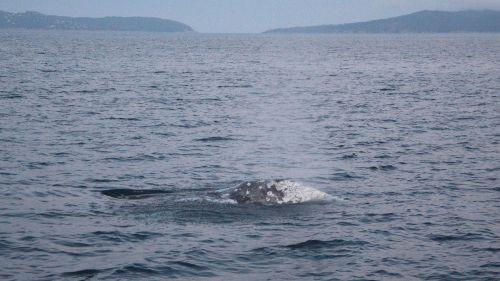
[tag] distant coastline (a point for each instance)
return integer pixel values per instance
(419, 22)
(35, 20)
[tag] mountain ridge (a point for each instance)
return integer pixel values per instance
(36, 20)
(418, 22)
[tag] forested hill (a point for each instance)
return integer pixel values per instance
(35, 20)
(419, 22)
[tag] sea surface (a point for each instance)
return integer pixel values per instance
(402, 130)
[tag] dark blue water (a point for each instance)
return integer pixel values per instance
(403, 131)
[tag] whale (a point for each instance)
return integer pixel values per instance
(265, 192)
(124, 193)
(270, 192)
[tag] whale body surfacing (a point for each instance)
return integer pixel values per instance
(265, 192)
(273, 192)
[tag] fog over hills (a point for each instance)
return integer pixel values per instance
(419, 22)
(35, 20)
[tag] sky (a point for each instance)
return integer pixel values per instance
(245, 16)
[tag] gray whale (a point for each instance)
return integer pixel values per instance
(267, 192)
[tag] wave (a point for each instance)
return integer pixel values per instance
(457, 237)
(318, 244)
(210, 139)
(82, 273)
(311, 249)
(235, 86)
(118, 236)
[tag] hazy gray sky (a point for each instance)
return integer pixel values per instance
(244, 15)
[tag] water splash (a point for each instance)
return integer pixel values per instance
(272, 192)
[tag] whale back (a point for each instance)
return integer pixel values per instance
(257, 192)
(274, 192)
(267, 192)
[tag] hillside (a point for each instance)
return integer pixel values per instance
(35, 20)
(419, 22)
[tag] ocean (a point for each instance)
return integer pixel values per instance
(401, 130)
